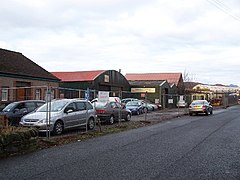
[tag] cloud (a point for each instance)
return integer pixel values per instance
(135, 36)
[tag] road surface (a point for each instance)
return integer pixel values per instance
(196, 147)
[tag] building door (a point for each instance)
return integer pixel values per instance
(20, 94)
(22, 91)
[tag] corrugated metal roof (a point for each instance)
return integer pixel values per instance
(170, 77)
(78, 75)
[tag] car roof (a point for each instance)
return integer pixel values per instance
(28, 101)
(71, 100)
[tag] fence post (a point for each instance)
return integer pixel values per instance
(120, 108)
(48, 109)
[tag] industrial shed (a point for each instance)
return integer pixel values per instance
(97, 80)
(162, 88)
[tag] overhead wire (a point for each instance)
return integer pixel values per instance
(221, 6)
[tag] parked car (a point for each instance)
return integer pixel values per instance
(126, 100)
(64, 114)
(109, 112)
(114, 99)
(181, 104)
(4, 104)
(200, 106)
(155, 106)
(146, 106)
(152, 106)
(16, 110)
(135, 107)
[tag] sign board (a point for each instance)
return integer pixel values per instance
(181, 98)
(143, 90)
(170, 101)
(103, 96)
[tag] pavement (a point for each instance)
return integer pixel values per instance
(160, 115)
(165, 114)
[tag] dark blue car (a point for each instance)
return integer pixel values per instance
(135, 107)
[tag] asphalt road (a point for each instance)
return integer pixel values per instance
(198, 147)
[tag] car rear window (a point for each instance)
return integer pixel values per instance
(100, 104)
(197, 102)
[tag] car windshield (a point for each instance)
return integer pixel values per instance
(54, 106)
(132, 103)
(9, 107)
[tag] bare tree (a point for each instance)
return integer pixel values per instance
(187, 77)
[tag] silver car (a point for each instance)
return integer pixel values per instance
(63, 113)
(200, 106)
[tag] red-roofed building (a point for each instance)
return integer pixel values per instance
(164, 86)
(171, 78)
(78, 76)
(99, 80)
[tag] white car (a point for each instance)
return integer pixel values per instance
(181, 104)
(110, 99)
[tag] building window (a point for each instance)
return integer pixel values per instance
(38, 94)
(4, 94)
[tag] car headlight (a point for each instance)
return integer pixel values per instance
(42, 121)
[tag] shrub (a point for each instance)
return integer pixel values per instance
(17, 140)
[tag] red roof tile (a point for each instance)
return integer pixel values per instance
(170, 77)
(78, 75)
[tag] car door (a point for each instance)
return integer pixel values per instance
(122, 110)
(30, 106)
(113, 109)
(81, 112)
(17, 113)
(70, 115)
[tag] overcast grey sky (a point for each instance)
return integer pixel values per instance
(200, 37)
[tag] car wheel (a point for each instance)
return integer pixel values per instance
(111, 120)
(128, 118)
(91, 124)
(58, 128)
(206, 113)
(138, 112)
(145, 110)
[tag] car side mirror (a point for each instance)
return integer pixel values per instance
(68, 110)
